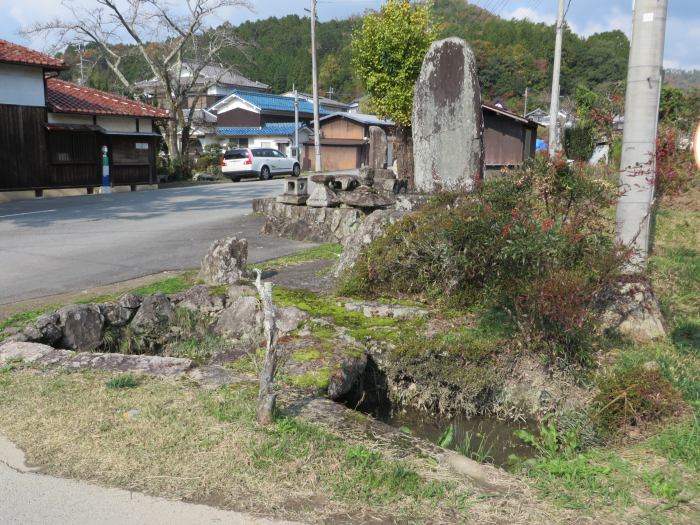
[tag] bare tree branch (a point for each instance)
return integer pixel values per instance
(172, 37)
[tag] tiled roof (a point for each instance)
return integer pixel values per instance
(208, 74)
(267, 102)
(322, 101)
(283, 129)
(66, 97)
(361, 118)
(16, 54)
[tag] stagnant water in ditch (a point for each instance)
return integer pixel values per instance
(481, 438)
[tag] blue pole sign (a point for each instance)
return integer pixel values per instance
(106, 187)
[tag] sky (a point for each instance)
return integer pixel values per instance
(585, 17)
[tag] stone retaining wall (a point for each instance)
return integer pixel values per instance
(303, 223)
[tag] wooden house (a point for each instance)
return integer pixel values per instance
(257, 120)
(52, 131)
(509, 139)
(344, 141)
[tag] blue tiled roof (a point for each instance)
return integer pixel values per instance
(268, 102)
(273, 128)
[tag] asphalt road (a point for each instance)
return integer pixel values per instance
(53, 246)
(29, 498)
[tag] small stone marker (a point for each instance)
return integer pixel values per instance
(225, 262)
(296, 191)
(377, 147)
(447, 124)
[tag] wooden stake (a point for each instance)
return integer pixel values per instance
(266, 396)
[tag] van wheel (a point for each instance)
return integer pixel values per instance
(296, 170)
(265, 173)
(235, 179)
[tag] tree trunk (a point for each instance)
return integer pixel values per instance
(265, 410)
(172, 140)
(404, 155)
(185, 151)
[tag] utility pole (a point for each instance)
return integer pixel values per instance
(527, 92)
(296, 123)
(638, 163)
(556, 74)
(80, 52)
(317, 131)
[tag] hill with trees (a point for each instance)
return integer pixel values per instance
(511, 54)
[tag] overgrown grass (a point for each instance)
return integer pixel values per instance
(323, 252)
(680, 442)
(23, 318)
(170, 285)
(122, 381)
(631, 483)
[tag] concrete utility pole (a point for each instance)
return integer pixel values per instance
(527, 92)
(80, 52)
(556, 74)
(296, 123)
(638, 163)
(317, 130)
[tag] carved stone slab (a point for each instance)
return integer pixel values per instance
(447, 120)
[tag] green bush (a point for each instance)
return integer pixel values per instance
(210, 160)
(535, 244)
(179, 169)
(579, 143)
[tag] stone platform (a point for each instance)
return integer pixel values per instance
(304, 223)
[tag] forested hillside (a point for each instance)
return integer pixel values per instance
(512, 55)
(682, 79)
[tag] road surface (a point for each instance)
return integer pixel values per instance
(28, 498)
(52, 246)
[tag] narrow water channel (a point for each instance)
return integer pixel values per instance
(483, 439)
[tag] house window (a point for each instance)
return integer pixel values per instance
(130, 151)
(238, 143)
(73, 148)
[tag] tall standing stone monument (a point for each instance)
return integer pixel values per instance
(448, 148)
(377, 147)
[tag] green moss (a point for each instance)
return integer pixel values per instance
(324, 306)
(310, 354)
(317, 379)
(219, 289)
(323, 252)
(322, 331)
(469, 343)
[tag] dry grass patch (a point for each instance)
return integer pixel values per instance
(169, 438)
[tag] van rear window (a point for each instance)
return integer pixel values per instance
(236, 154)
(258, 153)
